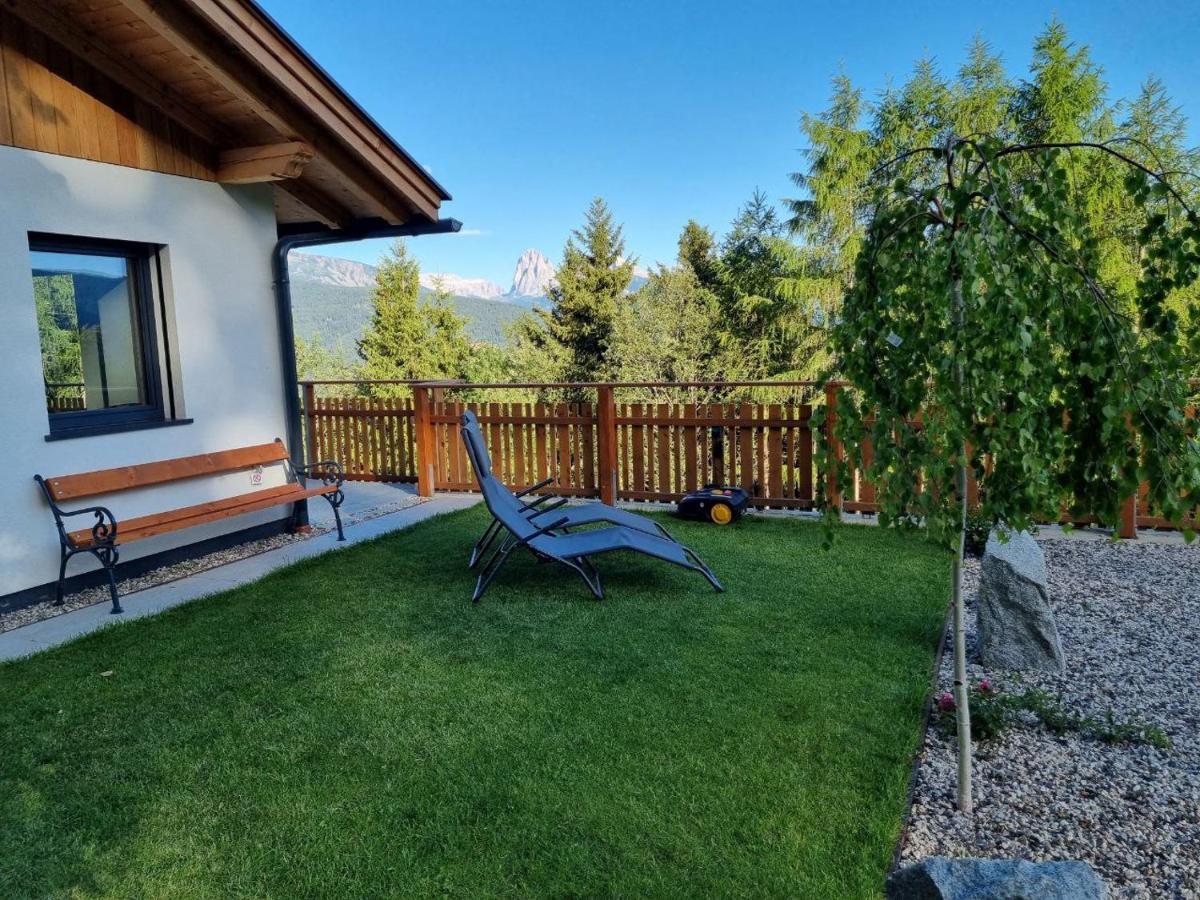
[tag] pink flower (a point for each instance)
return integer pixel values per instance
(945, 702)
(985, 687)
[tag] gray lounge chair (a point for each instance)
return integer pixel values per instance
(583, 514)
(549, 540)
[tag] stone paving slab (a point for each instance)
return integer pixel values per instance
(47, 633)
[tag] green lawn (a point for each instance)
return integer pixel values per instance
(353, 727)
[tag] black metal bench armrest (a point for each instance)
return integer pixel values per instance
(104, 531)
(329, 471)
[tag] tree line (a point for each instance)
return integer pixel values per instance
(759, 301)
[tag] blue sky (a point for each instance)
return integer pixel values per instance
(669, 110)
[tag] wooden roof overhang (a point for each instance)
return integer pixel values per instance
(211, 89)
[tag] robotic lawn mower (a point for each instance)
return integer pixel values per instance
(714, 503)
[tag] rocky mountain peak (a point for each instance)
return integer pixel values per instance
(533, 276)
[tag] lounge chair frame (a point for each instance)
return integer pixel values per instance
(625, 538)
(592, 513)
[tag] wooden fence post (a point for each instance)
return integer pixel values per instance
(606, 444)
(426, 441)
(836, 453)
(1127, 524)
(310, 425)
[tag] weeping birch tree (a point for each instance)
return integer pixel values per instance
(979, 338)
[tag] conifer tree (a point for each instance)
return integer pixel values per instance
(1065, 98)
(447, 349)
(406, 340)
(767, 291)
(915, 115)
(698, 251)
(591, 282)
(982, 96)
(831, 218)
(392, 343)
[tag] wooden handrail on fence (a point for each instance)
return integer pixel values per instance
(647, 451)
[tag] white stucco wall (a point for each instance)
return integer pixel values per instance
(219, 240)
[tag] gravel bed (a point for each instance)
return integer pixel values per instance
(99, 594)
(1128, 616)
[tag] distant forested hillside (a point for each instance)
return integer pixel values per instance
(340, 312)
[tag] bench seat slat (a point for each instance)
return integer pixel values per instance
(214, 510)
(104, 481)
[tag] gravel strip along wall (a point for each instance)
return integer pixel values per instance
(39, 611)
(1129, 618)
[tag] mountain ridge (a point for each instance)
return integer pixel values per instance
(331, 270)
(533, 276)
(339, 314)
(463, 287)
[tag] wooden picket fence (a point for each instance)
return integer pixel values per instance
(613, 451)
(626, 451)
(528, 443)
(65, 396)
(373, 439)
(665, 450)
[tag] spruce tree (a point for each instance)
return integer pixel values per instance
(591, 282)
(840, 157)
(1065, 98)
(407, 340)
(447, 349)
(766, 291)
(916, 115)
(698, 252)
(392, 342)
(982, 97)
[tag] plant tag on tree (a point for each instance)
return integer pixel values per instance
(894, 339)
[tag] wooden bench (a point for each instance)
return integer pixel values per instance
(106, 533)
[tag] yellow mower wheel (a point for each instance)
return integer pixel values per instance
(720, 513)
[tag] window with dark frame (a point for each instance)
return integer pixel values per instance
(100, 335)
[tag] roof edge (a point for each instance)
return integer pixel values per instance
(253, 7)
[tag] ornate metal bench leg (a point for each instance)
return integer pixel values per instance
(62, 575)
(335, 500)
(108, 558)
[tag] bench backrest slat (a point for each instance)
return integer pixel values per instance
(105, 481)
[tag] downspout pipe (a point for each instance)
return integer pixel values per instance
(283, 304)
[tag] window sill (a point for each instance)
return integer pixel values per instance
(67, 434)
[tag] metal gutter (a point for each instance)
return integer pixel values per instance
(283, 304)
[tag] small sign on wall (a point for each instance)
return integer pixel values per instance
(256, 475)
